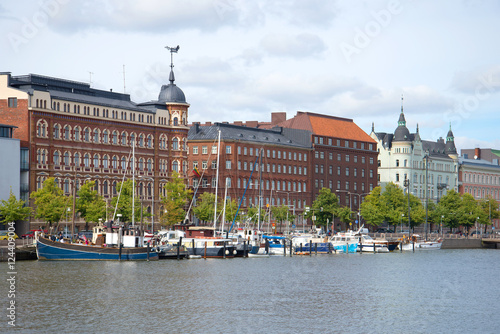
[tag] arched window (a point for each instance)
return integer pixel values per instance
(66, 159)
(96, 135)
(77, 159)
(141, 164)
(176, 121)
(56, 131)
(175, 144)
(77, 133)
(105, 162)
(105, 136)
(175, 166)
(86, 136)
(115, 137)
(141, 140)
(66, 132)
(115, 162)
(124, 138)
(150, 141)
(56, 158)
(66, 186)
(96, 161)
(86, 160)
(132, 140)
(124, 163)
(150, 167)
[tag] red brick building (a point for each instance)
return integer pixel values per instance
(74, 133)
(283, 156)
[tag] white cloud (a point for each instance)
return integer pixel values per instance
(301, 46)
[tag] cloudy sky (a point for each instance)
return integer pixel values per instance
(241, 60)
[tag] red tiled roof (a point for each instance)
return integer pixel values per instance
(330, 126)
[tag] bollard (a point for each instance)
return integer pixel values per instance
(148, 251)
(245, 249)
(194, 251)
(224, 250)
(291, 247)
(374, 247)
(284, 247)
(120, 252)
(401, 247)
(266, 247)
(329, 248)
(301, 247)
(315, 248)
(205, 255)
(179, 248)
(310, 247)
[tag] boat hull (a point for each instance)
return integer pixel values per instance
(50, 250)
(213, 252)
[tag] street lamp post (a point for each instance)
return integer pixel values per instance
(442, 225)
(407, 185)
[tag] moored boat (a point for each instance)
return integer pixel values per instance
(47, 249)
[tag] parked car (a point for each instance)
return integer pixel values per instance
(385, 230)
(31, 234)
(4, 235)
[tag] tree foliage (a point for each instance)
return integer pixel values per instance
(50, 202)
(205, 206)
(324, 207)
(177, 196)
(13, 210)
(89, 204)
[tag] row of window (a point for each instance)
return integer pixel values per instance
(95, 111)
(483, 192)
(106, 161)
(481, 178)
(96, 136)
(319, 169)
(274, 185)
(347, 144)
(320, 183)
(347, 157)
(250, 151)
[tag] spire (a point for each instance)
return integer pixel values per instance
(373, 127)
(171, 78)
(401, 103)
(417, 127)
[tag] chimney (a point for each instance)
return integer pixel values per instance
(208, 123)
(252, 124)
(477, 153)
(278, 117)
(239, 123)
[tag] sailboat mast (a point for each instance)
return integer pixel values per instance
(224, 209)
(217, 180)
(260, 188)
(133, 181)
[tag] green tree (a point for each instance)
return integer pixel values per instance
(89, 204)
(281, 214)
(231, 208)
(205, 206)
(393, 200)
(50, 202)
(177, 196)
(345, 214)
(490, 208)
(324, 207)
(373, 209)
(449, 207)
(13, 210)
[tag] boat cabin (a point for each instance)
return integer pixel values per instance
(196, 231)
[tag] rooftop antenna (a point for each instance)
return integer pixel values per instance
(90, 74)
(172, 51)
(401, 103)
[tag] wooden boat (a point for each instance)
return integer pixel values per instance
(47, 249)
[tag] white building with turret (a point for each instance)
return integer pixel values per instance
(403, 155)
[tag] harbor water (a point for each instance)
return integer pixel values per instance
(443, 291)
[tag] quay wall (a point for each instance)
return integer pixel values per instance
(461, 244)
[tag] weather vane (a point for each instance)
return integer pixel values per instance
(172, 51)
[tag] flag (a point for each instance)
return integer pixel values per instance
(196, 173)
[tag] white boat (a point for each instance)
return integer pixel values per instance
(368, 244)
(422, 245)
(345, 242)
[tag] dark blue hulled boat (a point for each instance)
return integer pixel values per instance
(52, 250)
